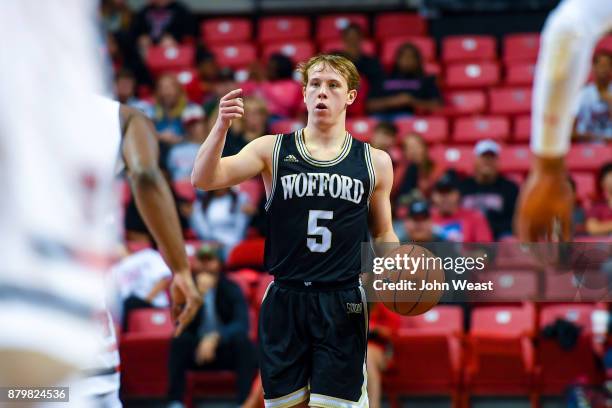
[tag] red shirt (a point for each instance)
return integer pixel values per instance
(600, 211)
(463, 226)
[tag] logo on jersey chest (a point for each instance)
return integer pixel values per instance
(322, 185)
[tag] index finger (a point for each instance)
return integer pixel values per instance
(232, 94)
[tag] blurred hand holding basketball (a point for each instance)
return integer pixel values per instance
(186, 300)
(231, 107)
(545, 203)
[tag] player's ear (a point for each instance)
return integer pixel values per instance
(352, 95)
(304, 93)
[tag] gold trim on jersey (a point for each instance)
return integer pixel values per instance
(303, 150)
(288, 400)
(275, 153)
(371, 172)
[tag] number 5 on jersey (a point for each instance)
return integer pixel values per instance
(319, 238)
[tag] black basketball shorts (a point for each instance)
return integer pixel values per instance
(312, 344)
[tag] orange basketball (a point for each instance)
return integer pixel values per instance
(415, 282)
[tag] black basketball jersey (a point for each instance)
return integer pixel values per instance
(317, 211)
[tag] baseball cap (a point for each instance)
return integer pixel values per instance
(447, 182)
(192, 113)
(207, 251)
(418, 209)
(486, 146)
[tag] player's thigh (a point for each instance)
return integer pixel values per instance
(339, 328)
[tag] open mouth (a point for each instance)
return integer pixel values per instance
(321, 106)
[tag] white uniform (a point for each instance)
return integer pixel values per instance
(56, 177)
(569, 37)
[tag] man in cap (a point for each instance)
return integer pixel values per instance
(418, 227)
(490, 192)
(182, 155)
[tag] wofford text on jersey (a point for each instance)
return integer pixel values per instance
(321, 185)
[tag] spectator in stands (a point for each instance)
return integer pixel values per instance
(451, 221)
(141, 279)
(116, 16)
(383, 326)
(490, 192)
(385, 138)
(578, 215)
(418, 225)
(164, 22)
(599, 217)
(170, 101)
(420, 172)
(125, 90)
(594, 119)
(217, 339)
(407, 89)
(208, 73)
(182, 155)
(221, 216)
(368, 65)
(282, 93)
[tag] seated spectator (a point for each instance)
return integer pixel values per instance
(418, 175)
(170, 101)
(182, 155)
(385, 138)
(367, 65)
(217, 338)
(407, 88)
(208, 73)
(383, 326)
(252, 125)
(418, 226)
(599, 217)
(125, 91)
(222, 216)
(451, 221)
(282, 93)
(490, 192)
(115, 15)
(141, 280)
(164, 22)
(594, 118)
(578, 215)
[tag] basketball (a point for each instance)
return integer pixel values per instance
(415, 284)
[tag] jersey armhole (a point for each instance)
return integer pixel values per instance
(275, 154)
(371, 172)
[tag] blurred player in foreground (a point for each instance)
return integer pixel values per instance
(326, 192)
(544, 208)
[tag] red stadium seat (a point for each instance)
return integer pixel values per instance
(442, 319)
(522, 129)
(521, 47)
(219, 31)
(558, 367)
(327, 46)
(329, 27)
(426, 46)
(170, 59)
(604, 45)
(261, 289)
(253, 188)
(462, 48)
(583, 286)
(520, 73)
(515, 158)
(394, 24)
(247, 254)
(473, 129)
(184, 190)
(190, 81)
(460, 158)
(474, 75)
(464, 103)
(221, 383)
(235, 56)
(500, 354)
(243, 283)
(296, 50)
(586, 185)
(361, 128)
(152, 321)
(433, 68)
(144, 364)
(588, 157)
(433, 129)
(510, 101)
(515, 285)
(286, 126)
(283, 28)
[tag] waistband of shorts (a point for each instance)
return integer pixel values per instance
(308, 286)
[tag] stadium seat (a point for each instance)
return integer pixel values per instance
(190, 81)
(151, 321)
(511, 256)
(586, 185)
(473, 129)
(286, 126)
(235, 56)
(296, 50)
(283, 28)
(521, 47)
(520, 73)
(463, 103)
(218, 383)
(559, 368)
(329, 27)
(389, 47)
(588, 157)
(581, 286)
(261, 289)
(327, 46)
(414, 370)
(473, 75)
(395, 24)
(361, 128)
(433, 129)
(472, 48)
(512, 285)
(460, 158)
(500, 354)
(170, 59)
(510, 101)
(144, 364)
(253, 188)
(220, 31)
(247, 254)
(521, 129)
(184, 190)
(244, 283)
(515, 158)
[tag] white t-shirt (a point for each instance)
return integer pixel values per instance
(138, 273)
(594, 114)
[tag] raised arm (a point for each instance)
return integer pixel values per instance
(156, 206)
(210, 171)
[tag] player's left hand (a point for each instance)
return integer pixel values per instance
(545, 204)
(186, 300)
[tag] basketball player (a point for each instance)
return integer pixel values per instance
(324, 188)
(571, 31)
